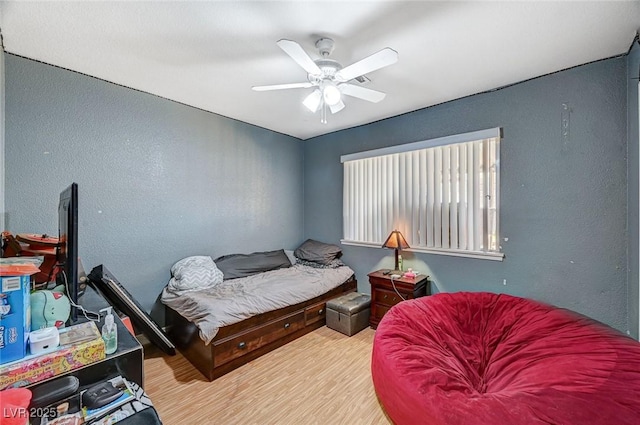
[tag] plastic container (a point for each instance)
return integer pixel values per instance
(109, 332)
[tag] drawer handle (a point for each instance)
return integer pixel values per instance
(242, 345)
(321, 311)
(384, 298)
(287, 325)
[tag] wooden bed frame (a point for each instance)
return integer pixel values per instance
(238, 344)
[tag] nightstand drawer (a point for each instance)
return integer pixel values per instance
(380, 311)
(386, 297)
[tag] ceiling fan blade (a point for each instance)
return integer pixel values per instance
(362, 93)
(282, 86)
(384, 57)
(313, 101)
(298, 54)
(337, 107)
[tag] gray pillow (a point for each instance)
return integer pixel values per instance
(241, 265)
(319, 252)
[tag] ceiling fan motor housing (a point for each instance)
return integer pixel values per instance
(324, 46)
(329, 68)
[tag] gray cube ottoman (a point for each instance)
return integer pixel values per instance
(349, 313)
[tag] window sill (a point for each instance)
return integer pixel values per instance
(479, 255)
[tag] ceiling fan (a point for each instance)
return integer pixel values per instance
(330, 79)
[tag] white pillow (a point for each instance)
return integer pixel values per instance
(194, 274)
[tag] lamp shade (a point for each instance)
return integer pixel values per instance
(395, 241)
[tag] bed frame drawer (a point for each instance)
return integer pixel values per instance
(315, 313)
(236, 346)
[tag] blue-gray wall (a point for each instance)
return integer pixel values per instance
(633, 115)
(563, 205)
(158, 180)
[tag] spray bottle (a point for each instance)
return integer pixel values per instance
(109, 332)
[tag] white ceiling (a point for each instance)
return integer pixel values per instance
(208, 54)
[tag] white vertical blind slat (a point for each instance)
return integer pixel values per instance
(408, 200)
(455, 198)
(422, 188)
(462, 207)
(384, 220)
(431, 198)
(486, 193)
(375, 208)
(369, 201)
(345, 199)
(477, 197)
(437, 210)
(446, 195)
(401, 218)
(390, 199)
(415, 196)
(471, 184)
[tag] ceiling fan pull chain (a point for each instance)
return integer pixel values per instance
(323, 114)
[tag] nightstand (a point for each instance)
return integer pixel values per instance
(384, 296)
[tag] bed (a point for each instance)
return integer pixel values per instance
(266, 300)
(482, 358)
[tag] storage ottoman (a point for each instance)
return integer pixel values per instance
(349, 313)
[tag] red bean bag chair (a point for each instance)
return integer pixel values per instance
(489, 359)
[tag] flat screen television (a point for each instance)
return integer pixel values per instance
(67, 254)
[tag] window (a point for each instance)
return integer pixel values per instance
(442, 194)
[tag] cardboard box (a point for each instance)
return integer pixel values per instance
(15, 317)
(89, 349)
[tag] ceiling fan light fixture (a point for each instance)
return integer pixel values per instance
(337, 107)
(312, 102)
(330, 93)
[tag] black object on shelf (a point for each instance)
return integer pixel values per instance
(122, 299)
(100, 395)
(53, 391)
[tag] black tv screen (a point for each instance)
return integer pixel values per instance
(68, 244)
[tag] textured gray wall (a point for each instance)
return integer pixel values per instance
(2, 162)
(563, 205)
(633, 114)
(158, 180)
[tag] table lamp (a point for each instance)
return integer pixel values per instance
(396, 241)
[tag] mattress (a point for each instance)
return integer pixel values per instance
(238, 299)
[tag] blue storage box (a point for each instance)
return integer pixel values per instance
(15, 317)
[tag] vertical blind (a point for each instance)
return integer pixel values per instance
(441, 194)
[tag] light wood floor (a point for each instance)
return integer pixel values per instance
(322, 378)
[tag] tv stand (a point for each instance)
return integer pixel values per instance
(127, 361)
